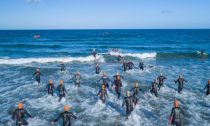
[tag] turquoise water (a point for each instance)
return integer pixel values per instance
(172, 52)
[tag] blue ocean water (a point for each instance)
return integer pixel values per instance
(172, 52)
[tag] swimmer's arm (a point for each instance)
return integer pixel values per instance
(123, 104)
(73, 116)
(98, 92)
(205, 87)
(28, 114)
(13, 115)
(106, 93)
(171, 115)
(58, 117)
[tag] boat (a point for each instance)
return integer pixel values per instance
(37, 36)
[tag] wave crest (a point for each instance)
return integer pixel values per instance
(138, 55)
(50, 59)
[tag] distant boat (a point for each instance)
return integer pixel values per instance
(106, 34)
(36, 36)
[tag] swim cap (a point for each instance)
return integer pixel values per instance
(78, 72)
(118, 77)
(66, 108)
(104, 74)
(103, 86)
(20, 105)
(136, 84)
(176, 103)
(117, 74)
(61, 81)
(128, 93)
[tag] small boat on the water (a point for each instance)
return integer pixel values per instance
(36, 36)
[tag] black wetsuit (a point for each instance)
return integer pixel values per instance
(105, 81)
(66, 116)
(154, 88)
(19, 115)
(129, 102)
(161, 81)
(63, 67)
(94, 54)
(130, 65)
(62, 92)
(77, 80)
(181, 84)
(37, 74)
(97, 69)
(125, 66)
(119, 58)
(176, 116)
(103, 95)
(50, 89)
(207, 87)
(135, 91)
(118, 85)
(141, 65)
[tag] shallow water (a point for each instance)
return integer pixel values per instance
(170, 51)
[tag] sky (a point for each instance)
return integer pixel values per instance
(104, 14)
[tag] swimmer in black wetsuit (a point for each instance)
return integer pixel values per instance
(20, 115)
(129, 102)
(62, 90)
(125, 66)
(105, 79)
(63, 68)
(50, 88)
(103, 94)
(130, 65)
(207, 88)
(94, 53)
(66, 116)
(141, 65)
(180, 82)
(118, 84)
(97, 69)
(136, 91)
(154, 87)
(119, 57)
(176, 115)
(37, 75)
(161, 79)
(77, 79)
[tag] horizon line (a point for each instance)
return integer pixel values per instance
(107, 29)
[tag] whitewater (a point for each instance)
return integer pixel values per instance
(170, 52)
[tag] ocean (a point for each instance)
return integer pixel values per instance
(172, 52)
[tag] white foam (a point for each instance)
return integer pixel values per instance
(50, 59)
(37, 121)
(139, 55)
(46, 102)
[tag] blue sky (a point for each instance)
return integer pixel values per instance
(103, 14)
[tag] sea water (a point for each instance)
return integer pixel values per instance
(171, 52)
